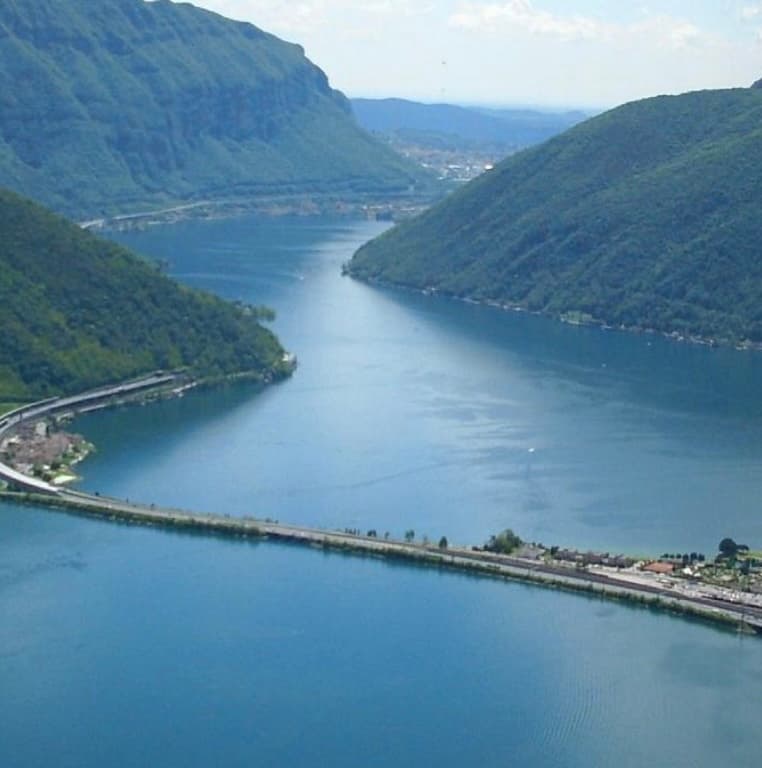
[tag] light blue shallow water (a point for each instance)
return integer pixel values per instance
(132, 647)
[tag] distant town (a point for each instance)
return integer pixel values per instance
(451, 164)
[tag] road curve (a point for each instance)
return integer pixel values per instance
(56, 405)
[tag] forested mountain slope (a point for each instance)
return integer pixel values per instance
(115, 105)
(646, 216)
(77, 311)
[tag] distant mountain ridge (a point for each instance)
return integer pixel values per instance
(644, 217)
(77, 312)
(471, 126)
(111, 105)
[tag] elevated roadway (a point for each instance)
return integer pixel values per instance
(57, 405)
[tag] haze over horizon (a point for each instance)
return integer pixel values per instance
(592, 53)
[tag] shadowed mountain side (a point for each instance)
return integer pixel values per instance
(116, 105)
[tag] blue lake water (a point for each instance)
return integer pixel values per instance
(452, 419)
(123, 646)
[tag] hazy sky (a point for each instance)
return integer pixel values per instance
(563, 52)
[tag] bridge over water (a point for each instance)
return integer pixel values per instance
(464, 559)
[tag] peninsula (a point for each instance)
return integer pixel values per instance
(79, 312)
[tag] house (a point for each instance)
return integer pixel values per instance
(660, 567)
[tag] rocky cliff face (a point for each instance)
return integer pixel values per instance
(117, 103)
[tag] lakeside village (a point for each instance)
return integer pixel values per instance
(41, 448)
(734, 574)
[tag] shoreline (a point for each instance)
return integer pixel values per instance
(567, 318)
(391, 207)
(143, 390)
(381, 208)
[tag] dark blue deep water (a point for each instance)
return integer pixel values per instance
(122, 646)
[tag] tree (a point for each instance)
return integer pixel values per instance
(728, 548)
(264, 314)
(409, 535)
(504, 543)
(443, 542)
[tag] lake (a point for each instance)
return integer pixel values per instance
(125, 646)
(410, 411)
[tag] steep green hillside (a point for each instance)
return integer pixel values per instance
(77, 311)
(646, 216)
(114, 105)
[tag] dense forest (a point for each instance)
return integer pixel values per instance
(117, 105)
(644, 217)
(77, 311)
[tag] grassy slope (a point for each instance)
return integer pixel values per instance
(117, 104)
(77, 311)
(644, 216)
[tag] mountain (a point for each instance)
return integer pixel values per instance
(453, 126)
(77, 311)
(115, 105)
(646, 216)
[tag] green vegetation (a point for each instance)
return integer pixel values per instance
(504, 543)
(77, 311)
(736, 567)
(729, 548)
(117, 105)
(5, 407)
(684, 558)
(644, 217)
